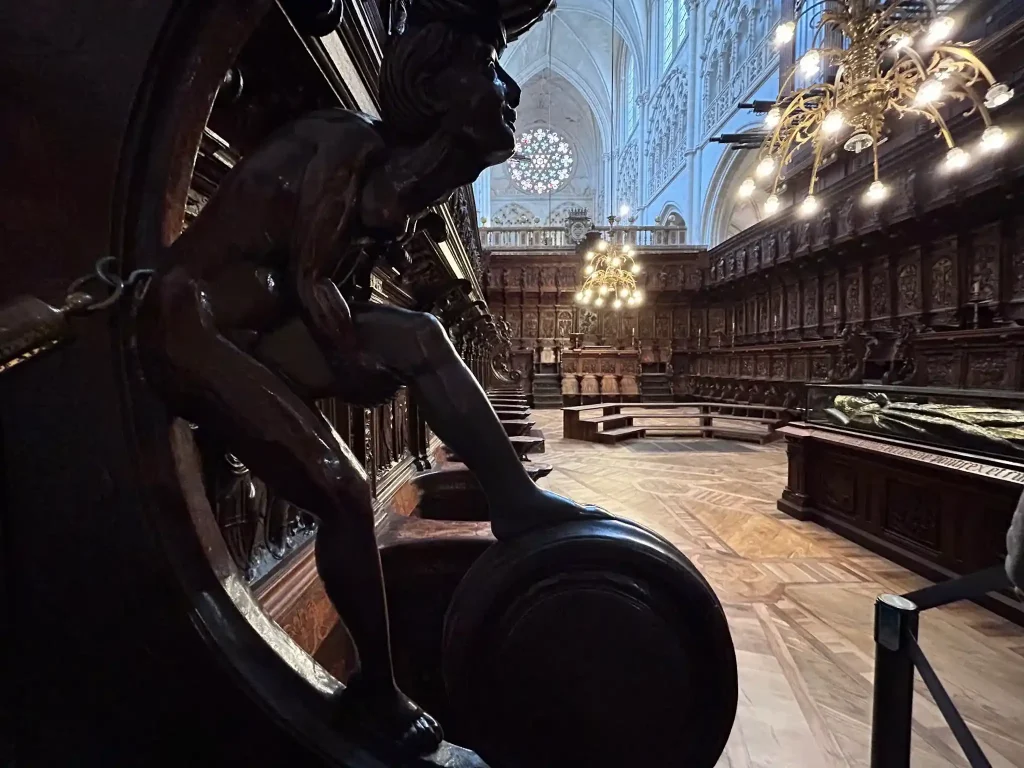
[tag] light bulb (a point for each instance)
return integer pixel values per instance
(603, 290)
(624, 293)
(998, 95)
(929, 92)
(635, 269)
(956, 159)
(747, 188)
(598, 302)
(617, 304)
(993, 139)
(586, 299)
(623, 210)
(590, 256)
(784, 32)
(616, 261)
(833, 122)
(589, 270)
(638, 297)
(773, 118)
(579, 296)
(940, 30)
(876, 193)
(771, 205)
(810, 63)
(588, 293)
(631, 301)
(603, 245)
(809, 206)
(765, 167)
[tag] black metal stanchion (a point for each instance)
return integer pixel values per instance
(892, 714)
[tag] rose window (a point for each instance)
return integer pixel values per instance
(543, 162)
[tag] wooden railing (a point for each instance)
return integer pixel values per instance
(558, 236)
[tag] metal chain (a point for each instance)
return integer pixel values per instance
(103, 272)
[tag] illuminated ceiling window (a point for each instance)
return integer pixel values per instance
(684, 18)
(543, 163)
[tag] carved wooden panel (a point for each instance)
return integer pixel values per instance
(663, 325)
(531, 278)
(987, 370)
(879, 293)
(716, 321)
(939, 371)
(942, 275)
(853, 302)
(793, 305)
(646, 324)
(513, 279)
(810, 303)
(610, 325)
(564, 323)
(547, 324)
(844, 222)
(1017, 259)
(910, 514)
(835, 485)
(830, 300)
(680, 323)
(514, 318)
(908, 285)
(530, 324)
(984, 264)
(798, 368)
(779, 367)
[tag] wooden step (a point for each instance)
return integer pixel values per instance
(511, 415)
(525, 444)
(516, 401)
(620, 434)
(517, 426)
(607, 420)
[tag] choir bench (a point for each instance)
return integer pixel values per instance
(613, 422)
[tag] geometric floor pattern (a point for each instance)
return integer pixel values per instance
(799, 600)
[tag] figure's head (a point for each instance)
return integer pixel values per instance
(441, 73)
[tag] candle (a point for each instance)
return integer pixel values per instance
(976, 288)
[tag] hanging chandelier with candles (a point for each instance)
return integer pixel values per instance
(609, 277)
(897, 61)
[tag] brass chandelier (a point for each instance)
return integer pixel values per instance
(610, 277)
(897, 61)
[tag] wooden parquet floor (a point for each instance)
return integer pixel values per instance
(799, 600)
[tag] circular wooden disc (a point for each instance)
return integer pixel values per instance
(592, 644)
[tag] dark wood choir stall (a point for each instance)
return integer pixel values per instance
(181, 523)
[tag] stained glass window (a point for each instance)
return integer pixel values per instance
(684, 18)
(668, 31)
(543, 163)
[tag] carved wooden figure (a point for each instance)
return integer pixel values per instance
(262, 307)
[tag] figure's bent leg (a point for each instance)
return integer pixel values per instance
(286, 443)
(416, 348)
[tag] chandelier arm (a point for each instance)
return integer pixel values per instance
(817, 162)
(977, 104)
(968, 55)
(800, 12)
(937, 118)
(914, 58)
(874, 152)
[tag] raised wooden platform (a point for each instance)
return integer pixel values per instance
(618, 421)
